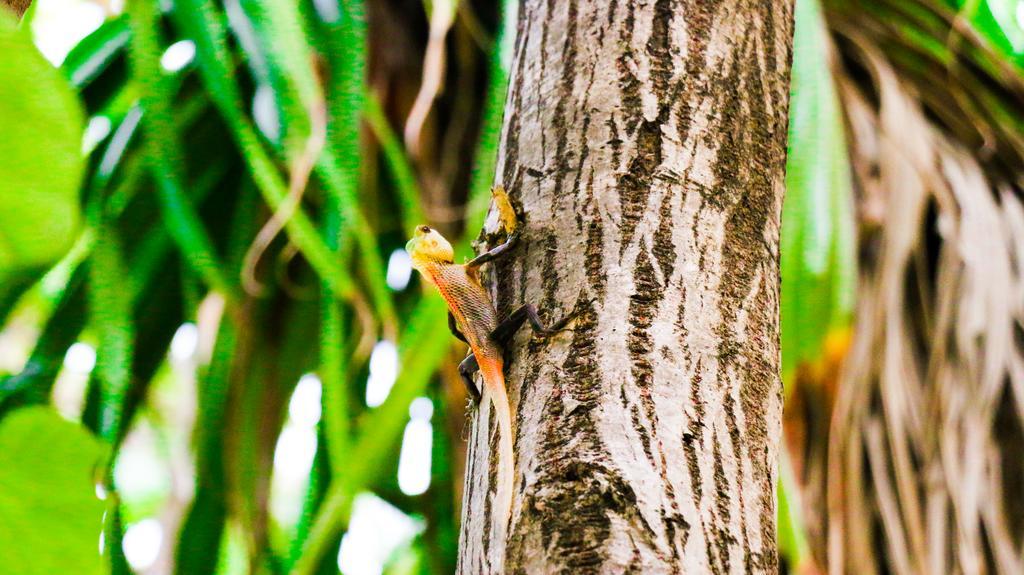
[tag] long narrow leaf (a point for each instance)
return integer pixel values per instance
(35, 381)
(333, 368)
(200, 538)
(817, 233)
(94, 54)
(110, 313)
(164, 152)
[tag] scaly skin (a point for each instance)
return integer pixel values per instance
(476, 318)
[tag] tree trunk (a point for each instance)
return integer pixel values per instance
(645, 142)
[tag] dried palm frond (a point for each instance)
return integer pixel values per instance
(926, 447)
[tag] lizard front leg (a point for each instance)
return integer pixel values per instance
(527, 312)
(494, 252)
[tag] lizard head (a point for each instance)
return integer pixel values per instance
(429, 245)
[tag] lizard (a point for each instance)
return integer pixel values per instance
(472, 318)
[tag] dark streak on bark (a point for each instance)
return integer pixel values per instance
(597, 275)
(700, 18)
(635, 184)
(643, 304)
(513, 101)
(492, 474)
(539, 80)
(507, 309)
(559, 124)
(709, 549)
(612, 7)
(549, 274)
(629, 84)
(693, 437)
(719, 535)
(677, 529)
(615, 142)
(659, 50)
(584, 154)
(637, 421)
(664, 249)
(729, 406)
(635, 561)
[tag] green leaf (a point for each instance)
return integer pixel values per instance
(110, 311)
(165, 152)
(35, 382)
(199, 540)
(996, 20)
(41, 122)
(333, 361)
(95, 53)
(51, 516)
(1004, 12)
(817, 217)
(273, 29)
(401, 167)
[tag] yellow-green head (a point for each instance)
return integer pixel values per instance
(428, 245)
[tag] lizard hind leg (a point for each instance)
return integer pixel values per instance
(467, 369)
(453, 326)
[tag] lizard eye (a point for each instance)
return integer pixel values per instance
(425, 229)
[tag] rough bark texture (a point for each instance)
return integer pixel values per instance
(645, 141)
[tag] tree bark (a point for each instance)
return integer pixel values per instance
(18, 7)
(645, 142)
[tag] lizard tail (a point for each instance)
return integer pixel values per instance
(494, 388)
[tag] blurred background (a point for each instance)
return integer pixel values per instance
(210, 296)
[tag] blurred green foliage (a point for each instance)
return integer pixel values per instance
(180, 199)
(42, 163)
(194, 206)
(51, 513)
(999, 22)
(818, 243)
